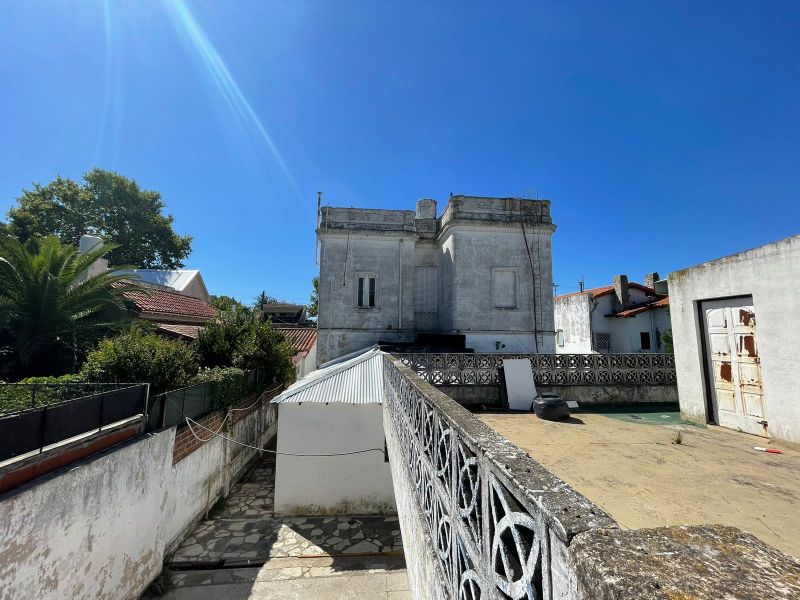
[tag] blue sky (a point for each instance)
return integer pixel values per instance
(665, 134)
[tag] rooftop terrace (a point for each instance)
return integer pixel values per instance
(627, 462)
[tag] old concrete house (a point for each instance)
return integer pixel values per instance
(735, 329)
(482, 270)
(618, 318)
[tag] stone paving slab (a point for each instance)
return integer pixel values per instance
(356, 557)
(261, 539)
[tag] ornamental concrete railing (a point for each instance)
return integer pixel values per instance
(481, 519)
(464, 369)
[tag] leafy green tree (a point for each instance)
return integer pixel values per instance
(227, 303)
(141, 357)
(239, 338)
(219, 340)
(313, 306)
(49, 308)
(106, 204)
(264, 348)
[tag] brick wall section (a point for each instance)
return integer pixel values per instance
(186, 442)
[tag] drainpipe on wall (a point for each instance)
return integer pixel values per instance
(400, 295)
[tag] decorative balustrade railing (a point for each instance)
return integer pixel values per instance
(480, 518)
(548, 369)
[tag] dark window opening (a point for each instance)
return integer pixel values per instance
(644, 338)
(371, 292)
(360, 291)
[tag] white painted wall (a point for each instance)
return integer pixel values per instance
(355, 484)
(307, 364)
(580, 316)
(770, 275)
(100, 528)
(572, 316)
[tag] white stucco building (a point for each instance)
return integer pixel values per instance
(619, 318)
(736, 326)
(335, 410)
(482, 270)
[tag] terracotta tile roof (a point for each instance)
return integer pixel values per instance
(302, 338)
(182, 331)
(604, 290)
(635, 310)
(171, 304)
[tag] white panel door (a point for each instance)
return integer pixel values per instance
(737, 393)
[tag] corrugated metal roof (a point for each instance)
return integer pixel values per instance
(358, 380)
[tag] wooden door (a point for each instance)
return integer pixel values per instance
(737, 393)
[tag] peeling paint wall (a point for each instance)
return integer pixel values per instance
(770, 275)
(99, 529)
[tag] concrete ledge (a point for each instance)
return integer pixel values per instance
(704, 562)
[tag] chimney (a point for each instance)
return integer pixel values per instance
(86, 244)
(650, 279)
(621, 290)
(426, 209)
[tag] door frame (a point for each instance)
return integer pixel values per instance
(704, 355)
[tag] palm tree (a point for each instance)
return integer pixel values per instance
(47, 299)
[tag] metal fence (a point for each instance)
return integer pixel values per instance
(194, 401)
(443, 369)
(34, 429)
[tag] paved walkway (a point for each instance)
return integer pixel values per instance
(631, 465)
(244, 552)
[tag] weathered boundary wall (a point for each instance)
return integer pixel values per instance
(481, 519)
(102, 527)
(583, 394)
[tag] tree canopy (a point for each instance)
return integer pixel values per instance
(106, 204)
(49, 308)
(313, 305)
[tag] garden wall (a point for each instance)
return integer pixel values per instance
(101, 528)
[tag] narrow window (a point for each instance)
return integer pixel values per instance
(644, 338)
(560, 338)
(360, 292)
(371, 292)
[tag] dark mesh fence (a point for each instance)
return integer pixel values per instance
(33, 429)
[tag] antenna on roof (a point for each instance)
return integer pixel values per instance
(580, 283)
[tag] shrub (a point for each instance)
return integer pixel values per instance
(266, 349)
(219, 340)
(226, 385)
(139, 357)
(240, 339)
(19, 397)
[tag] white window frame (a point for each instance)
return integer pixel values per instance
(362, 300)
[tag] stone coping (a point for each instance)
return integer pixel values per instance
(566, 511)
(702, 562)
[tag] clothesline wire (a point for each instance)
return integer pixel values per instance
(217, 433)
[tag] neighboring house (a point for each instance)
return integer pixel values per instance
(188, 282)
(177, 302)
(304, 342)
(735, 327)
(285, 314)
(173, 314)
(618, 318)
(334, 410)
(391, 275)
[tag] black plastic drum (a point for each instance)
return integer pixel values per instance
(550, 407)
